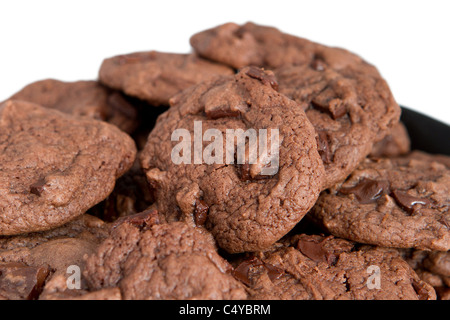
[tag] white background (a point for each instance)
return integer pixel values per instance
(409, 41)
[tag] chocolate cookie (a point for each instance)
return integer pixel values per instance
(55, 166)
(314, 267)
(28, 262)
(398, 202)
(147, 260)
(82, 98)
(395, 144)
(423, 156)
(345, 98)
(432, 267)
(245, 207)
(157, 76)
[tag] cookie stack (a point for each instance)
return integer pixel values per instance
(157, 181)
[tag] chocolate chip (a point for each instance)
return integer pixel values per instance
(327, 101)
(273, 272)
(143, 220)
(38, 187)
(221, 112)
(244, 171)
(367, 190)
(266, 77)
(245, 268)
(200, 212)
(313, 249)
(19, 281)
(242, 272)
(323, 147)
(406, 201)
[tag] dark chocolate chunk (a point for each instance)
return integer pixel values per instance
(407, 201)
(367, 190)
(38, 187)
(314, 250)
(327, 102)
(323, 147)
(21, 282)
(200, 212)
(221, 112)
(143, 220)
(243, 271)
(266, 77)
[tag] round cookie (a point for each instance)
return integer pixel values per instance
(313, 267)
(82, 98)
(55, 166)
(157, 76)
(396, 202)
(345, 98)
(245, 208)
(396, 143)
(147, 260)
(28, 263)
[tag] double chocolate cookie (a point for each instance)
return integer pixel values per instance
(147, 260)
(245, 206)
(314, 267)
(397, 202)
(157, 76)
(55, 166)
(345, 98)
(82, 98)
(31, 263)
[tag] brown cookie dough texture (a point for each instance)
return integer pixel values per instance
(157, 76)
(396, 143)
(398, 202)
(244, 210)
(432, 267)
(314, 267)
(30, 263)
(82, 98)
(54, 166)
(162, 261)
(345, 98)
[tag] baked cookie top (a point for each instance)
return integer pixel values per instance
(82, 98)
(157, 76)
(314, 267)
(244, 207)
(345, 98)
(55, 166)
(397, 202)
(147, 260)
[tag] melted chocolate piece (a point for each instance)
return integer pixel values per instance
(21, 282)
(406, 201)
(367, 190)
(38, 187)
(323, 147)
(143, 220)
(221, 112)
(266, 77)
(242, 272)
(200, 212)
(315, 250)
(327, 102)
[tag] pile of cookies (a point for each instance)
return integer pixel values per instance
(93, 205)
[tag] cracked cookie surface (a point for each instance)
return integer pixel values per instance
(244, 210)
(54, 166)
